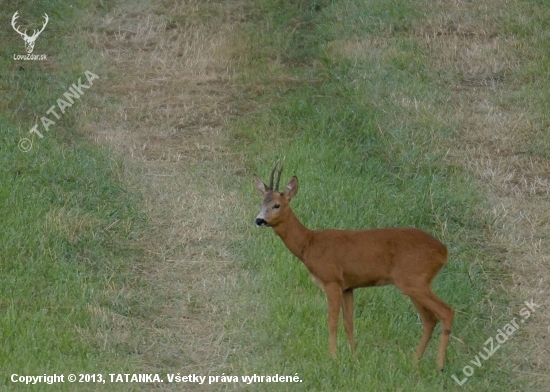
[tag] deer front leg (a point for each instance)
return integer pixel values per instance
(347, 310)
(334, 302)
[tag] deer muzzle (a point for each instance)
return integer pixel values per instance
(261, 222)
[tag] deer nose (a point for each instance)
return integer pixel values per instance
(261, 222)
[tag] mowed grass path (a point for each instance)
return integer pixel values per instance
(116, 250)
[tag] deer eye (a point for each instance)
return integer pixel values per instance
(276, 206)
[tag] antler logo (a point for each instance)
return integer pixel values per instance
(29, 41)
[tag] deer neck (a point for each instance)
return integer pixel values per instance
(294, 234)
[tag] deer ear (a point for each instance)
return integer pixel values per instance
(260, 186)
(291, 188)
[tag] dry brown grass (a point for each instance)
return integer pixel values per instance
(169, 92)
(463, 39)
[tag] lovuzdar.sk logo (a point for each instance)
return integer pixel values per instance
(29, 39)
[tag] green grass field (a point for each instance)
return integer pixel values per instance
(381, 108)
(361, 116)
(70, 229)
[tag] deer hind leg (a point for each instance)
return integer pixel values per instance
(426, 298)
(347, 309)
(334, 301)
(446, 314)
(429, 320)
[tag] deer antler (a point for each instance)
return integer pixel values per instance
(279, 175)
(272, 174)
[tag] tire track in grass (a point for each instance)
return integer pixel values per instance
(170, 93)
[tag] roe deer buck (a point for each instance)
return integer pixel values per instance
(342, 260)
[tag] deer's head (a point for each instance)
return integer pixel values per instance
(275, 204)
(29, 40)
